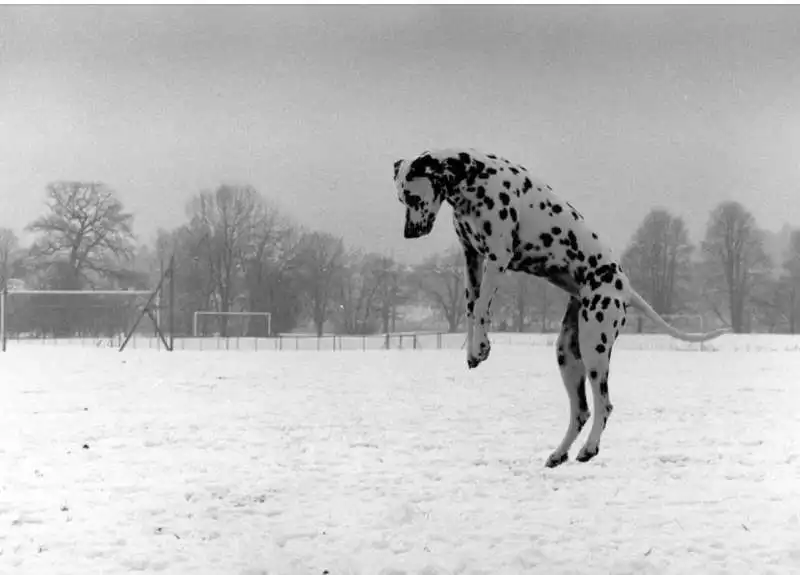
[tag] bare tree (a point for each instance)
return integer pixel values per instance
(658, 260)
(223, 224)
(322, 259)
(440, 278)
(370, 291)
(357, 295)
(85, 236)
(776, 298)
(735, 259)
(791, 282)
(9, 255)
(272, 270)
(393, 290)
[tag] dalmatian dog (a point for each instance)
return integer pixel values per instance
(506, 219)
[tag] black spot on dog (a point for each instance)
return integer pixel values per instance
(555, 230)
(547, 239)
(603, 337)
(557, 209)
(504, 198)
(487, 227)
(593, 374)
(599, 315)
(489, 202)
(561, 358)
(507, 184)
(618, 284)
(600, 348)
(542, 205)
(513, 213)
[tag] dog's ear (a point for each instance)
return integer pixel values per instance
(397, 165)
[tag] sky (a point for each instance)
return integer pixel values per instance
(620, 108)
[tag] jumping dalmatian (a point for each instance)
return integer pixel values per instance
(507, 219)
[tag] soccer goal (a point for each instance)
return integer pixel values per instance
(101, 318)
(232, 323)
(71, 317)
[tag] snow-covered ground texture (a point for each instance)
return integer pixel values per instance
(393, 462)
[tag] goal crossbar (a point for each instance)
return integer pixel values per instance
(265, 314)
(77, 292)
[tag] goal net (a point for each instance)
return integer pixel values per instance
(101, 317)
(232, 324)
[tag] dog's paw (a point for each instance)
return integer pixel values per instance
(587, 453)
(556, 459)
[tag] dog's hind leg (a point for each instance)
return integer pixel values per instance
(598, 332)
(573, 373)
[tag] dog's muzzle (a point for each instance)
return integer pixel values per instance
(417, 230)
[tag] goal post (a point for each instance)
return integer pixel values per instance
(246, 315)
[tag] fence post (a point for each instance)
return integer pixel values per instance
(414, 341)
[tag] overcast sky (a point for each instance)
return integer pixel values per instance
(620, 108)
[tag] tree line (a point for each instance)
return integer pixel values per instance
(238, 251)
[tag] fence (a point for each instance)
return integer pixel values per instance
(416, 341)
(280, 342)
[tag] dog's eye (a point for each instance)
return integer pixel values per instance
(411, 200)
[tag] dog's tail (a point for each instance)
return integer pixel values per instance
(639, 303)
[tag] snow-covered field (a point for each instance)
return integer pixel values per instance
(391, 462)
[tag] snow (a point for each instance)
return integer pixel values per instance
(393, 462)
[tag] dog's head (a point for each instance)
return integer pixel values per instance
(422, 185)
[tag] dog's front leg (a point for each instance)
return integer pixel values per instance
(473, 274)
(478, 345)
